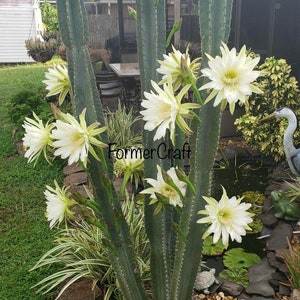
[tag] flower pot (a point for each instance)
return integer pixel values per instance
(41, 55)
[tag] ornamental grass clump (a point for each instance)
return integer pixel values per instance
(79, 250)
(292, 260)
(120, 128)
(280, 89)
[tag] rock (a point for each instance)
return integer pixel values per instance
(276, 262)
(279, 282)
(261, 288)
(262, 298)
(81, 289)
(231, 288)
(253, 153)
(244, 296)
(73, 168)
(230, 154)
(76, 179)
(268, 216)
(279, 236)
(295, 295)
(268, 204)
(20, 147)
(280, 277)
(80, 189)
(215, 286)
(233, 151)
(284, 290)
(259, 276)
(117, 182)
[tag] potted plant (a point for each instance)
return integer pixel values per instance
(41, 50)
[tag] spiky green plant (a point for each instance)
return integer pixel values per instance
(121, 128)
(174, 237)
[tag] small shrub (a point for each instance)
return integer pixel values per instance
(24, 103)
(49, 16)
(279, 89)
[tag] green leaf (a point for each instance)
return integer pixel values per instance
(209, 248)
(238, 258)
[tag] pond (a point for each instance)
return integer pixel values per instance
(238, 177)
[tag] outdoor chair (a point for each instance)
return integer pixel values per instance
(109, 85)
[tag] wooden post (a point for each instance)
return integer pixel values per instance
(176, 18)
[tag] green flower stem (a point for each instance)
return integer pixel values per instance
(196, 93)
(123, 186)
(92, 205)
(94, 221)
(175, 28)
(83, 201)
(196, 116)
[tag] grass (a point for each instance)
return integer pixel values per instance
(24, 232)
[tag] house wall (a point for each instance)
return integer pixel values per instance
(17, 24)
(15, 3)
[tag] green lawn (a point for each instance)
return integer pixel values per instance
(24, 232)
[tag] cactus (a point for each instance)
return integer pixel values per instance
(151, 38)
(179, 284)
(214, 27)
(174, 258)
(73, 25)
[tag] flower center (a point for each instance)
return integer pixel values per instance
(78, 138)
(224, 216)
(230, 78)
(168, 191)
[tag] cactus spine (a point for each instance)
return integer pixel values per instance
(73, 25)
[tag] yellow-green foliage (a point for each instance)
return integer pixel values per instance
(280, 89)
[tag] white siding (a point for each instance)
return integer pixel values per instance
(17, 24)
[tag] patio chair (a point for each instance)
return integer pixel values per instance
(109, 86)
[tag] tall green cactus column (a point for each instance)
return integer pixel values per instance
(151, 37)
(73, 26)
(214, 17)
